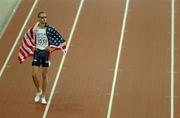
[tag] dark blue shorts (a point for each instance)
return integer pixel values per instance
(41, 58)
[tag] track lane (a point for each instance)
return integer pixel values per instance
(85, 83)
(143, 86)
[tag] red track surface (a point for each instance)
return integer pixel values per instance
(84, 86)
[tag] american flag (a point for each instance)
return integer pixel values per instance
(55, 40)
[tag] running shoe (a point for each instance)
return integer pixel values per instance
(38, 97)
(43, 100)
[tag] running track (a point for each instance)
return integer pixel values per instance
(142, 76)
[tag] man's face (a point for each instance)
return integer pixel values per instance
(43, 18)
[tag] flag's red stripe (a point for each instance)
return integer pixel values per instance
(31, 33)
(19, 59)
(25, 49)
(30, 39)
(25, 42)
(22, 53)
(64, 47)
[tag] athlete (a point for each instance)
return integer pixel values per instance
(40, 41)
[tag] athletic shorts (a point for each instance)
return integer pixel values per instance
(41, 58)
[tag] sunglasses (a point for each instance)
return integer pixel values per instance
(43, 17)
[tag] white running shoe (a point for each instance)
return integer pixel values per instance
(43, 100)
(37, 97)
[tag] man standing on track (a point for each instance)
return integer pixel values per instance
(39, 42)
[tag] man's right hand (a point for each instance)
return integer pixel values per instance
(34, 49)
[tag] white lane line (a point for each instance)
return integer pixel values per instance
(63, 59)
(118, 60)
(9, 19)
(17, 39)
(172, 58)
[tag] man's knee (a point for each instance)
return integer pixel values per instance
(34, 71)
(44, 75)
(44, 72)
(34, 75)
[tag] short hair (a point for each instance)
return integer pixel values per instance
(41, 12)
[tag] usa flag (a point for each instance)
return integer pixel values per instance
(55, 40)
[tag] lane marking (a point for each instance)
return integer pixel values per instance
(17, 39)
(118, 60)
(9, 19)
(63, 59)
(172, 57)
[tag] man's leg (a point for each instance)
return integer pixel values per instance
(35, 78)
(44, 83)
(36, 83)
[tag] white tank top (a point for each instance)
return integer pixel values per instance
(41, 38)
